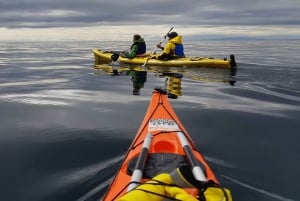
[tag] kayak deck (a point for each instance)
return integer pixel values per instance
(162, 130)
(102, 57)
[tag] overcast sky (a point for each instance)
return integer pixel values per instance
(90, 19)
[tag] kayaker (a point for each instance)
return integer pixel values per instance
(138, 48)
(170, 187)
(173, 49)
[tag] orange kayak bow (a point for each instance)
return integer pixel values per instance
(160, 145)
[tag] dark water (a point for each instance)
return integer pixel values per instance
(66, 126)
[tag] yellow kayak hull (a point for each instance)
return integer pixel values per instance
(102, 57)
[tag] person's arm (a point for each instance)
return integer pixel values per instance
(159, 46)
(166, 52)
(133, 51)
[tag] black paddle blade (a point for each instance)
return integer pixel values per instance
(115, 72)
(160, 90)
(114, 57)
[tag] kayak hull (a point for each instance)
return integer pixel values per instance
(102, 57)
(165, 151)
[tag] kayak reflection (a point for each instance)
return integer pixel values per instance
(211, 75)
(172, 83)
(138, 75)
(172, 76)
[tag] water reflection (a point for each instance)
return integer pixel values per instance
(212, 75)
(138, 78)
(172, 76)
(172, 83)
(137, 73)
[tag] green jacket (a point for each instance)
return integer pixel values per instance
(138, 47)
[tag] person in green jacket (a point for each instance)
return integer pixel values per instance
(138, 48)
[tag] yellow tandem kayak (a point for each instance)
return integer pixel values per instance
(102, 57)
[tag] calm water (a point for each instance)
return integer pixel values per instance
(66, 126)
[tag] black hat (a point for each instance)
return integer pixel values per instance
(172, 35)
(136, 37)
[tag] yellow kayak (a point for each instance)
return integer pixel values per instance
(102, 57)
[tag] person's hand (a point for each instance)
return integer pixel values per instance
(159, 46)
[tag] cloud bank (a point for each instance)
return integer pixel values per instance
(232, 16)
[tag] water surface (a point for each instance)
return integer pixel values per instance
(65, 126)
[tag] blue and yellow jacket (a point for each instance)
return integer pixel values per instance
(173, 49)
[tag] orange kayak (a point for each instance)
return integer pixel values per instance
(160, 145)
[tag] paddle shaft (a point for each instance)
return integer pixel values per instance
(139, 166)
(162, 40)
(196, 169)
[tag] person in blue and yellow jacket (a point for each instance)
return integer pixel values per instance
(173, 49)
(169, 186)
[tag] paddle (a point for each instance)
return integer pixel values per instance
(196, 169)
(162, 40)
(140, 163)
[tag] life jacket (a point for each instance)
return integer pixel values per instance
(179, 50)
(141, 47)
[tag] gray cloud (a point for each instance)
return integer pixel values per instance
(78, 13)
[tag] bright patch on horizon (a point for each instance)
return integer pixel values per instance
(125, 32)
(25, 83)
